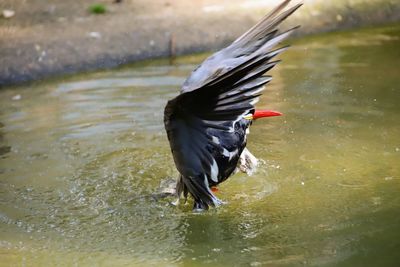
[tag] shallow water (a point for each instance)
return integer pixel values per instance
(80, 158)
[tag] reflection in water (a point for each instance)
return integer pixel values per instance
(80, 159)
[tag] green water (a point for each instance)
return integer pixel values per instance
(80, 157)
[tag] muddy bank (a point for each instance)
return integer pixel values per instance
(43, 39)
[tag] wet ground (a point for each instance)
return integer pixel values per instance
(81, 157)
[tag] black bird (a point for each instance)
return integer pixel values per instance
(208, 121)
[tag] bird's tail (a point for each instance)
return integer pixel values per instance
(201, 193)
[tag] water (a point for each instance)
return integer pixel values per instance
(80, 158)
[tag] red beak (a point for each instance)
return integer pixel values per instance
(265, 113)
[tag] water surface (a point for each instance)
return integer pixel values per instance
(80, 157)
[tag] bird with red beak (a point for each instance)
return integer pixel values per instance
(208, 122)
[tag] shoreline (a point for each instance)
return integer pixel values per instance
(84, 42)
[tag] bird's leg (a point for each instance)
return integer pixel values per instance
(179, 190)
(248, 162)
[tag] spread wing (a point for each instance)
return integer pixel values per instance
(205, 122)
(247, 47)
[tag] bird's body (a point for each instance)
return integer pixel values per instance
(208, 122)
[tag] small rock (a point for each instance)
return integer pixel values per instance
(213, 8)
(95, 35)
(315, 13)
(8, 13)
(16, 97)
(42, 56)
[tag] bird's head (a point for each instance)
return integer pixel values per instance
(262, 114)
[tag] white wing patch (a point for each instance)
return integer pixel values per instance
(229, 154)
(214, 171)
(215, 200)
(215, 140)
